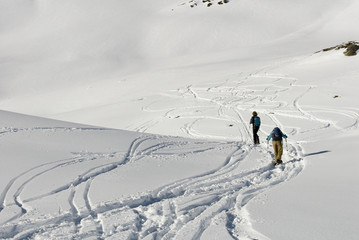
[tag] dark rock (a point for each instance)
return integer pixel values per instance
(351, 50)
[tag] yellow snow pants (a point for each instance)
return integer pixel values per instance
(278, 150)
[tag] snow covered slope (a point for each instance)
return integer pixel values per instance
(72, 181)
(85, 56)
(180, 83)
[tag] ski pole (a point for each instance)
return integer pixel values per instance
(286, 144)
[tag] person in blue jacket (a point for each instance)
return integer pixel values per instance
(256, 121)
(277, 136)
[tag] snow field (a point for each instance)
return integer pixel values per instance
(182, 83)
(49, 200)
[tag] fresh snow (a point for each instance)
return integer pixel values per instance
(130, 120)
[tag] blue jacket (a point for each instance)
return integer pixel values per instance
(276, 138)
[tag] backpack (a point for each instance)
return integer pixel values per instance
(277, 134)
(256, 121)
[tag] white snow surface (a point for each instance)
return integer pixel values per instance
(130, 119)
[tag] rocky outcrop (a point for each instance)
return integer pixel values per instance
(208, 3)
(350, 47)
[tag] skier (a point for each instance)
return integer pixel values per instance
(277, 135)
(256, 121)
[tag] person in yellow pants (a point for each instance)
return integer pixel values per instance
(277, 137)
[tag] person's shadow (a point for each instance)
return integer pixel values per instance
(315, 153)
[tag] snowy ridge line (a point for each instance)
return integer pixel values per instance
(5, 130)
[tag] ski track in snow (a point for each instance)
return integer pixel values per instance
(187, 208)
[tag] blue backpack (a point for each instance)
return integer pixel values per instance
(257, 121)
(277, 134)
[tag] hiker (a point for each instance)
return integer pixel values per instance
(277, 135)
(256, 121)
